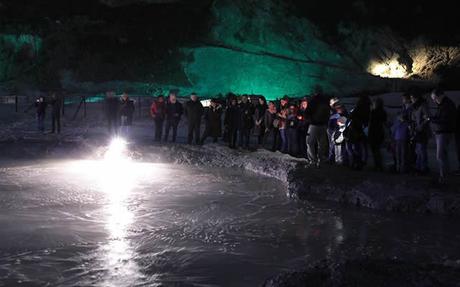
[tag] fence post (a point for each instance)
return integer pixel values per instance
(139, 105)
(84, 107)
(16, 103)
(63, 104)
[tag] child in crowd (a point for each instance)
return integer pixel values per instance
(400, 134)
(339, 141)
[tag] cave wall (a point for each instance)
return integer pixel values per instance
(271, 47)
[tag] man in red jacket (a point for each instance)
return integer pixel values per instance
(158, 111)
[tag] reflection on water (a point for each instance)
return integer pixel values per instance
(116, 222)
(116, 175)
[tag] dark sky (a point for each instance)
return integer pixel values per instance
(439, 20)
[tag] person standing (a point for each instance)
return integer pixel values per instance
(213, 122)
(355, 133)
(444, 126)
(194, 111)
(112, 105)
(158, 112)
(56, 109)
(318, 113)
(302, 128)
(332, 127)
(406, 111)
(282, 118)
(271, 123)
(232, 120)
(292, 123)
(126, 114)
(377, 122)
(259, 118)
(400, 133)
(420, 126)
(40, 106)
(246, 121)
(174, 111)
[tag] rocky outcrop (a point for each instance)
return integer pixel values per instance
(373, 190)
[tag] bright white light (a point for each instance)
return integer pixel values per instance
(389, 69)
(117, 176)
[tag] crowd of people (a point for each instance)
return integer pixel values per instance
(318, 128)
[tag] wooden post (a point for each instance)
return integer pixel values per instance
(84, 107)
(16, 103)
(63, 103)
(139, 105)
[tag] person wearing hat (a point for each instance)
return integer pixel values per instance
(332, 126)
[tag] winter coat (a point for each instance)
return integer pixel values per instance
(127, 108)
(291, 121)
(319, 111)
(446, 117)
(56, 106)
(112, 104)
(420, 121)
(269, 119)
(40, 107)
(246, 119)
(259, 114)
(400, 130)
(304, 121)
(194, 111)
(213, 119)
(174, 111)
(232, 117)
(354, 133)
(377, 120)
(158, 110)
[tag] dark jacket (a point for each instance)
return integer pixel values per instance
(174, 111)
(304, 121)
(246, 119)
(56, 106)
(420, 116)
(127, 108)
(400, 131)
(377, 121)
(112, 105)
(232, 117)
(194, 111)
(354, 133)
(260, 114)
(40, 107)
(446, 117)
(213, 119)
(318, 111)
(268, 120)
(291, 121)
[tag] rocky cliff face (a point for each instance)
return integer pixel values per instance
(263, 47)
